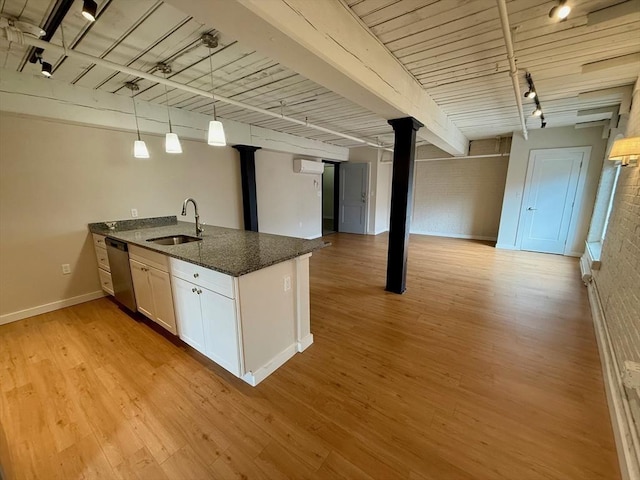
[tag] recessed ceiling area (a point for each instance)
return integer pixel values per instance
(454, 49)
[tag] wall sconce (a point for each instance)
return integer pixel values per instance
(626, 150)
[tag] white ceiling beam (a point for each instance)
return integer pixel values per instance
(630, 7)
(624, 93)
(622, 61)
(326, 43)
(604, 112)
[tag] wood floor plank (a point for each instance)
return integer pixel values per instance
(487, 367)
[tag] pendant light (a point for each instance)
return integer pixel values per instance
(216, 136)
(171, 140)
(139, 147)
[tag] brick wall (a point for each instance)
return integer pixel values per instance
(618, 281)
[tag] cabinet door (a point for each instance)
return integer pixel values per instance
(220, 330)
(163, 302)
(188, 315)
(142, 288)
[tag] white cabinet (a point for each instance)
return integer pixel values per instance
(206, 313)
(152, 285)
(104, 270)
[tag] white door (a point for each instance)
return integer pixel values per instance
(188, 313)
(220, 330)
(144, 297)
(161, 288)
(354, 178)
(549, 196)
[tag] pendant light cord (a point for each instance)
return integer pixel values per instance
(135, 114)
(211, 76)
(166, 95)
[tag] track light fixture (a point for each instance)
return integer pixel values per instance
(46, 69)
(89, 10)
(532, 94)
(215, 136)
(560, 11)
(139, 147)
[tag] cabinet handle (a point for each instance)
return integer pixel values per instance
(199, 291)
(196, 275)
(194, 290)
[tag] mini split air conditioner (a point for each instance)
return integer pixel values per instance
(300, 165)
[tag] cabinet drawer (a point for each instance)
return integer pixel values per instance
(98, 241)
(152, 259)
(103, 258)
(216, 281)
(105, 281)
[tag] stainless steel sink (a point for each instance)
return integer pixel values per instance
(174, 240)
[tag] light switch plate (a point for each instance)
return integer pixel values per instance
(134, 213)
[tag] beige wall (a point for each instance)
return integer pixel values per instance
(55, 178)
(459, 197)
(289, 203)
(517, 172)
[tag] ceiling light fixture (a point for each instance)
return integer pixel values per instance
(216, 135)
(537, 112)
(89, 10)
(139, 147)
(171, 140)
(626, 150)
(560, 11)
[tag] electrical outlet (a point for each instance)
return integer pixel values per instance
(134, 212)
(287, 283)
(66, 269)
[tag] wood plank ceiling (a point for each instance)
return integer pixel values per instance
(454, 48)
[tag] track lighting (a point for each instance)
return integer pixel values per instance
(532, 94)
(560, 11)
(89, 10)
(215, 136)
(139, 147)
(46, 69)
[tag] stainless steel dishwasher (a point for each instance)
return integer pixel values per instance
(118, 253)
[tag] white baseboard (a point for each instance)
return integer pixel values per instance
(305, 342)
(455, 235)
(627, 443)
(573, 254)
(50, 307)
(506, 246)
(254, 378)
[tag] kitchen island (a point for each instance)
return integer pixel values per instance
(239, 297)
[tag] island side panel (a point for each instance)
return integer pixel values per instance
(304, 337)
(267, 312)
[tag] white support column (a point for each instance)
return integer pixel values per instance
(304, 337)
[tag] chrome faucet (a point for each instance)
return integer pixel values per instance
(199, 228)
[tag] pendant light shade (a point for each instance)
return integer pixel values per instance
(172, 143)
(140, 149)
(89, 10)
(216, 135)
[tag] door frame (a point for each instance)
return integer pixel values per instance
(336, 195)
(577, 202)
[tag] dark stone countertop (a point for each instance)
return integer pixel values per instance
(226, 250)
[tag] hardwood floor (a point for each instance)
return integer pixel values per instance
(486, 368)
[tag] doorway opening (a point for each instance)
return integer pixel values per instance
(330, 179)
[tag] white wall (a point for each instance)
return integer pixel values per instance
(289, 203)
(383, 197)
(516, 176)
(55, 178)
(459, 197)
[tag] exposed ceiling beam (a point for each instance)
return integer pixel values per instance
(630, 7)
(604, 112)
(326, 43)
(632, 60)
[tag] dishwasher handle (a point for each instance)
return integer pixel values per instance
(122, 246)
